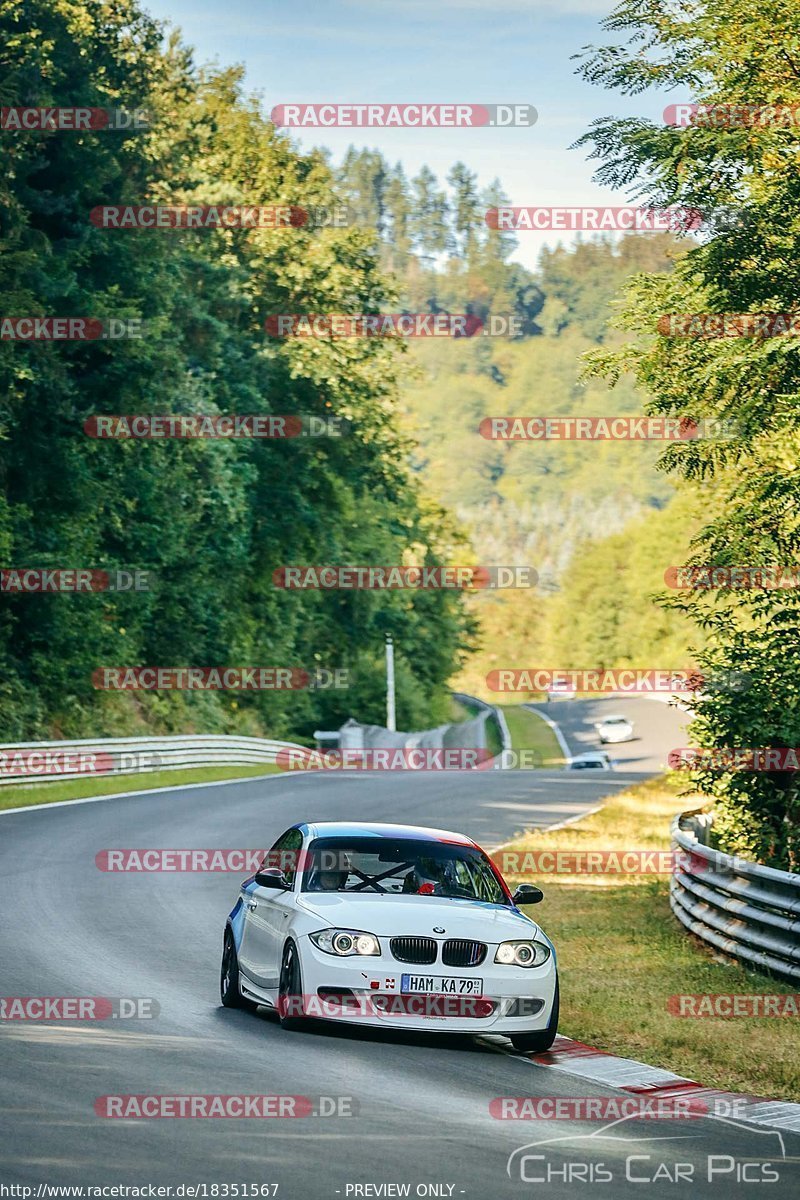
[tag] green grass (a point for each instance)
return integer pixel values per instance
(459, 711)
(23, 795)
(494, 739)
(464, 711)
(622, 954)
(529, 732)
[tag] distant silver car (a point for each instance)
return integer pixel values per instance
(592, 760)
(560, 689)
(614, 729)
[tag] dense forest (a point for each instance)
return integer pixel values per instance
(412, 480)
(595, 520)
(747, 484)
(210, 520)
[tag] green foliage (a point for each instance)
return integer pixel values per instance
(552, 504)
(747, 53)
(211, 520)
(606, 613)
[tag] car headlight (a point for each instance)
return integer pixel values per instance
(522, 954)
(344, 942)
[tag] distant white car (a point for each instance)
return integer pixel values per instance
(593, 760)
(390, 925)
(614, 729)
(560, 689)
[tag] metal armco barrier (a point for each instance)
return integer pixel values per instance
(746, 911)
(49, 762)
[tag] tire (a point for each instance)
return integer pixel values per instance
(290, 985)
(541, 1039)
(229, 991)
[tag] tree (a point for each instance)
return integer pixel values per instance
(398, 210)
(430, 232)
(210, 520)
(745, 55)
(467, 216)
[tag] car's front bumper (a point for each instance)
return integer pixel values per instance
(513, 999)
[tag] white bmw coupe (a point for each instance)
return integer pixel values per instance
(391, 926)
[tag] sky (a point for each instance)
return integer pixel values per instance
(427, 51)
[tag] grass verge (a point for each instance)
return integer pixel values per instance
(494, 738)
(27, 795)
(529, 732)
(622, 954)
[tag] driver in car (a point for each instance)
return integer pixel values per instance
(326, 878)
(428, 878)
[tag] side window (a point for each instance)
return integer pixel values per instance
(285, 854)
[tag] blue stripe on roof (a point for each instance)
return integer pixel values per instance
(415, 832)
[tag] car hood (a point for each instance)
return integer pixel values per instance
(416, 916)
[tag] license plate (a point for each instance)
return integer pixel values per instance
(441, 985)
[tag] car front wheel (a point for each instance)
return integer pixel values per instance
(229, 991)
(541, 1039)
(290, 989)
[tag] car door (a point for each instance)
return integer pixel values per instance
(268, 912)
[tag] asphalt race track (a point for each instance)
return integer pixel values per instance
(70, 929)
(657, 728)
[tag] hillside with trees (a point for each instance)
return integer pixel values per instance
(588, 516)
(211, 520)
(746, 55)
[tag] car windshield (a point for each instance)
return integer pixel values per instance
(401, 867)
(615, 721)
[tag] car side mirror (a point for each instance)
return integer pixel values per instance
(272, 877)
(527, 893)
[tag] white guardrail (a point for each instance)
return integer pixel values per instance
(748, 912)
(49, 762)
